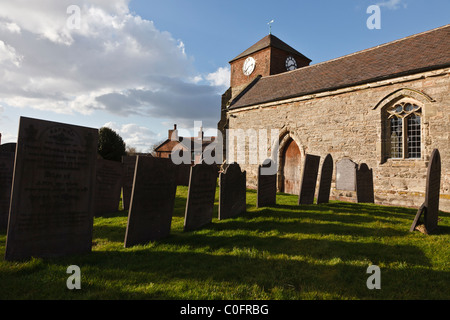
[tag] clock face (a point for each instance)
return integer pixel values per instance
(249, 66)
(291, 64)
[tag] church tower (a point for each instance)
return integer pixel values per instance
(267, 57)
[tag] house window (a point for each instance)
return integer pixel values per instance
(403, 131)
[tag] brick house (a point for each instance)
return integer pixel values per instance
(387, 106)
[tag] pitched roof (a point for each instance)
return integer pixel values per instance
(418, 53)
(268, 41)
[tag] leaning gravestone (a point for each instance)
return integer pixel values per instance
(129, 165)
(52, 199)
(6, 176)
(201, 196)
(233, 192)
(346, 175)
(364, 184)
(152, 201)
(267, 185)
(326, 175)
(108, 186)
(430, 208)
(309, 179)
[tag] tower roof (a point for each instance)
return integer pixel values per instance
(266, 42)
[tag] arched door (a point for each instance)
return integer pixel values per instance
(291, 168)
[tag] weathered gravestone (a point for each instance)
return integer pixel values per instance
(108, 186)
(364, 184)
(6, 175)
(430, 208)
(346, 175)
(326, 176)
(233, 192)
(309, 179)
(201, 196)
(52, 199)
(267, 184)
(129, 165)
(152, 201)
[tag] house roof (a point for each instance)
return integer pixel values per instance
(269, 41)
(425, 51)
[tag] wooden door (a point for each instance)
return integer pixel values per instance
(291, 168)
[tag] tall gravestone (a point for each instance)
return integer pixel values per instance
(346, 175)
(52, 198)
(183, 172)
(326, 176)
(7, 154)
(201, 196)
(309, 179)
(267, 185)
(364, 184)
(108, 186)
(430, 208)
(129, 165)
(152, 201)
(233, 192)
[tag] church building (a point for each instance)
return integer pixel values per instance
(387, 106)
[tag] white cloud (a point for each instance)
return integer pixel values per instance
(134, 135)
(392, 4)
(220, 78)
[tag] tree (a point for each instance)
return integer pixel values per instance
(110, 145)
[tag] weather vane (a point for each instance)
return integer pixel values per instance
(270, 25)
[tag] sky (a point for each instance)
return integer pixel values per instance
(141, 66)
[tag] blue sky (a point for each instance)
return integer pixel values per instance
(140, 66)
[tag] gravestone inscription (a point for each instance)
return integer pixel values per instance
(52, 198)
(364, 184)
(129, 165)
(346, 175)
(267, 185)
(152, 201)
(430, 208)
(108, 186)
(326, 176)
(309, 179)
(201, 196)
(232, 195)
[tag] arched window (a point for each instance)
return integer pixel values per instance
(403, 131)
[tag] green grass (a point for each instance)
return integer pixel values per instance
(280, 252)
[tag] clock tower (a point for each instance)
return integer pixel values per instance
(267, 57)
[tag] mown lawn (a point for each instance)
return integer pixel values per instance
(282, 252)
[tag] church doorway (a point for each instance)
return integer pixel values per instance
(291, 160)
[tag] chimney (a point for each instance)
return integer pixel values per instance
(200, 134)
(173, 134)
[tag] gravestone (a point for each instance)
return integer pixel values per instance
(183, 172)
(430, 208)
(233, 192)
(52, 198)
(326, 176)
(129, 165)
(267, 185)
(364, 184)
(108, 186)
(6, 176)
(201, 196)
(346, 175)
(309, 179)
(152, 201)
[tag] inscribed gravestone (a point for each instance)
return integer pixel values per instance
(346, 175)
(108, 186)
(129, 165)
(364, 184)
(201, 196)
(52, 198)
(267, 185)
(309, 179)
(6, 176)
(326, 176)
(152, 201)
(430, 208)
(232, 196)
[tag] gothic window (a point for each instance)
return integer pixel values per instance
(403, 131)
